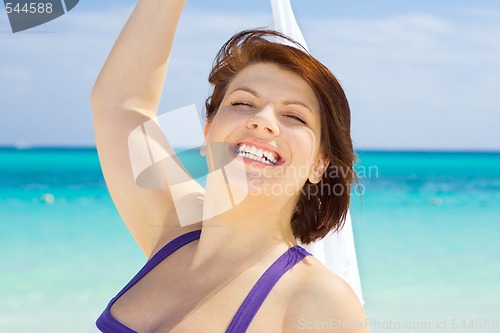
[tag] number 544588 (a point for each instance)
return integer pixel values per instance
(29, 8)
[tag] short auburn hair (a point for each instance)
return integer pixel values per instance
(316, 213)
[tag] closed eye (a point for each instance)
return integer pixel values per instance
(237, 103)
(297, 118)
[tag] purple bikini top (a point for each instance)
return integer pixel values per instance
(247, 310)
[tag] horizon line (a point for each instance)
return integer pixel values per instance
(356, 149)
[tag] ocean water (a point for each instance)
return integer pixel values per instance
(428, 236)
(427, 231)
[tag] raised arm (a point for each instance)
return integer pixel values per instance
(125, 96)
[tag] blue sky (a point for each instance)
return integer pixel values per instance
(420, 75)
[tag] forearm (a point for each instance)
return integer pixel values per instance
(133, 75)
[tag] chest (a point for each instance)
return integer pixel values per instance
(172, 298)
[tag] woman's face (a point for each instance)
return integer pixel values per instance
(269, 119)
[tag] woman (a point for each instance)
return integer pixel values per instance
(284, 117)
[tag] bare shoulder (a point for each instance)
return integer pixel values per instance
(323, 302)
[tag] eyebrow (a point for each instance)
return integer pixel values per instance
(297, 103)
(286, 102)
(246, 89)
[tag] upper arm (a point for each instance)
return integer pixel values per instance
(149, 213)
(125, 96)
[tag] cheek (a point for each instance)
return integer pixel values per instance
(222, 124)
(304, 142)
(302, 145)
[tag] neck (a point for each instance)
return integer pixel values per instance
(245, 231)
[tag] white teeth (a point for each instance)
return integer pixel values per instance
(257, 154)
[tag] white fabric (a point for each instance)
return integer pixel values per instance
(284, 21)
(336, 250)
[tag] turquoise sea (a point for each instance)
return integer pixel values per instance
(427, 231)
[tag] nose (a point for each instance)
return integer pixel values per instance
(265, 120)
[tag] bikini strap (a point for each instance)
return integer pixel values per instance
(262, 288)
(158, 257)
(106, 322)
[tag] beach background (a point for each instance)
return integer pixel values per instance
(426, 228)
(422, 79)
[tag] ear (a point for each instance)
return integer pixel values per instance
(319, 170)
(207, 128)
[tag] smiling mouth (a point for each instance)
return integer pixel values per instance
(257, 154)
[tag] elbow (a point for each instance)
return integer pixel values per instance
(103, 99)
(97, 97)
